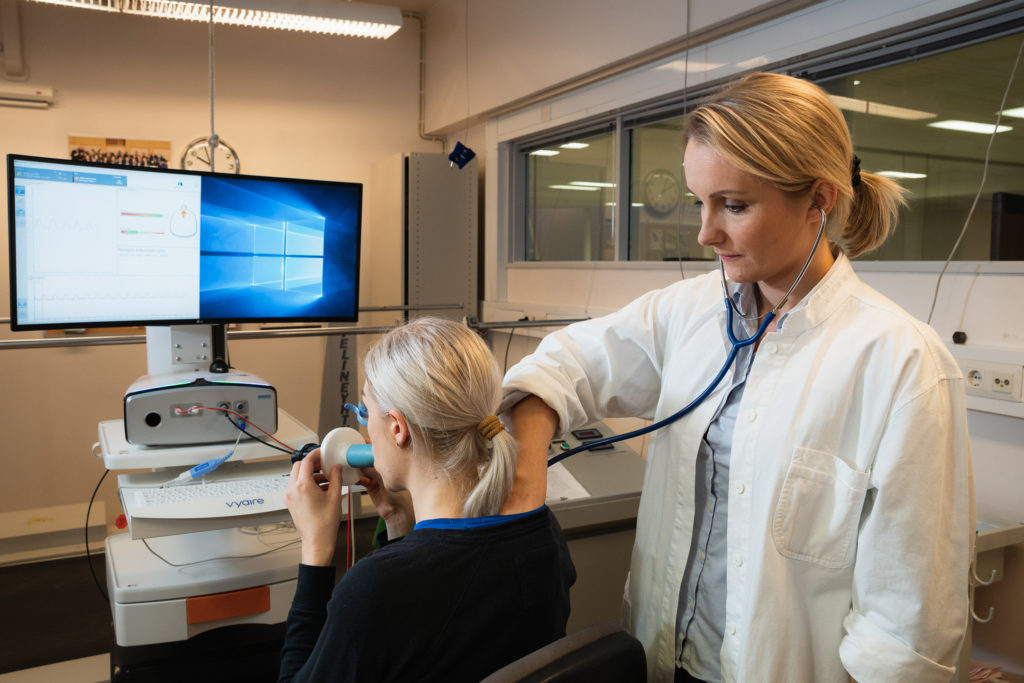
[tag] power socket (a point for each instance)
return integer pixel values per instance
(993, 380)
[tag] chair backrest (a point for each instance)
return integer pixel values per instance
(603, 653)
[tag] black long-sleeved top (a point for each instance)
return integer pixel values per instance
(436, 605)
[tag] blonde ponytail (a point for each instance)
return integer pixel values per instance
(872, 214)
(442, 377)
(496, 477)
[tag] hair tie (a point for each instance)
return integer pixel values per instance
(855, 174)
(490, 427)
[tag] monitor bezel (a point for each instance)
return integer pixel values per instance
(16, 326)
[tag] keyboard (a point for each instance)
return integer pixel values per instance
(225, 498)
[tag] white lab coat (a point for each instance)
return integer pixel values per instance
(851, 508)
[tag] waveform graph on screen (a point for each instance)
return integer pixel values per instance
(101, 251)
(78, 228)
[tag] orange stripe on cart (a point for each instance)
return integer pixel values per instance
(206, 608)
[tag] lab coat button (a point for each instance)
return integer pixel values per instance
(732, 630)
(751, 416)
(741, 488)
(739, 561)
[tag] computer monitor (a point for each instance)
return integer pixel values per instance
(1007, 227)
(99, 245)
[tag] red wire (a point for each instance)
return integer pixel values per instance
(349, 554)
(244, 418)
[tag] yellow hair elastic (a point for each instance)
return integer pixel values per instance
(490, 427)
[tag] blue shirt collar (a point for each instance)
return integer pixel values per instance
(474, 522)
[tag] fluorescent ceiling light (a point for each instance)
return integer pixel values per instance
(637, 205)
(314, 16)
(690, 66)
(573, 187)
(588, 183)
(970, 127)
(1016, 112)
(575, 145)
(878, 109)
(753, 63)
(903, 174)
(544, 152)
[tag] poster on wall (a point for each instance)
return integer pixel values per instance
(124, 151)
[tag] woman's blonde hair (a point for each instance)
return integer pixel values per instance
(444, 380)
(787, 132)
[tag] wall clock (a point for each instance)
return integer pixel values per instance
(198, 157)
(661, 192)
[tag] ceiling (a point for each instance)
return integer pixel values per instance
(417, 6)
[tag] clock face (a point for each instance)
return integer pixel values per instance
(198, 157)
(661, 192)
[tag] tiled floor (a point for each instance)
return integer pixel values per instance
(88, 670)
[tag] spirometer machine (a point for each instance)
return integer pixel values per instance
(187, 254)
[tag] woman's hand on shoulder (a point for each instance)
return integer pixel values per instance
(316, 511)
(394, 507)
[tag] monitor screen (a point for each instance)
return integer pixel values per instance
(96, 245)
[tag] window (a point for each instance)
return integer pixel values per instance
(572, 190)
(663, 220)
(902, 101)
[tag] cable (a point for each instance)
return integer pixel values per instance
(256, 438)
(213, 135)
(163, 559)
(350, 549)
(680, 210)
(88, 555)
(465, 34)
(508, 345)
(202, 469)
(984, 177)
(182, 411)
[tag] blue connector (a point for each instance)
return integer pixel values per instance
(362, 414)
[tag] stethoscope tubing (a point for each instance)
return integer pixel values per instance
(737, 344)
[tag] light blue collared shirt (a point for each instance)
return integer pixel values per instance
(700, 618)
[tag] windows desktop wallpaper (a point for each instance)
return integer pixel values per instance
(279, 250)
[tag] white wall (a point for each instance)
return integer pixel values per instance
(516, 49)
(292, 104)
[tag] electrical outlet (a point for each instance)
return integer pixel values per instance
(992, 380)
(992, 373)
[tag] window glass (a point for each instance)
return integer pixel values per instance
(663, 220)
(904, 119)
(910, 119)
(570, 203)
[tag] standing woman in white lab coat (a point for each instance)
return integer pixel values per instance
(811, 520)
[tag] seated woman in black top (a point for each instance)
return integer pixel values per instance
(459, 590)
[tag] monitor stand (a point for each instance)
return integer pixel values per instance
(186, 348)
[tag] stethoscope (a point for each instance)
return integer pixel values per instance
(736, 345)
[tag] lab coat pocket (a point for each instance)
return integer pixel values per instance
(819, 509)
